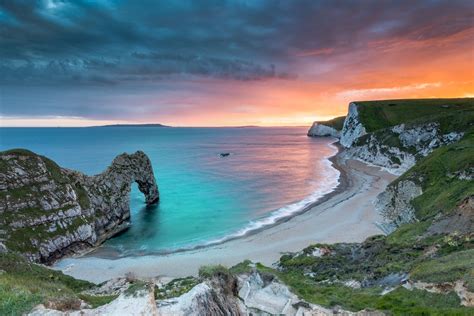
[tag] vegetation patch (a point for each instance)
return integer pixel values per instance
(367, 262)
(337, 123)
(242, 267)
(376, 115)
(399, 301)
(97, 300)
(452, 267)
(442, 189)
(24, 285)
(136, 287)
(175, 288)
(207, 272)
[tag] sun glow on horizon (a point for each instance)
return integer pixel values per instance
(266, 73)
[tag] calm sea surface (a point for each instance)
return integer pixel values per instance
(271, 173)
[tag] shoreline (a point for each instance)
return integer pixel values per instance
(105, 252)
(346, 214)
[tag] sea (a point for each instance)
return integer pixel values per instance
(270, 175)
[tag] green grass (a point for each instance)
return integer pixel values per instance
(97, 300)
(398, 302)
(51, 166)
(441, 190)
(242, 267)
(408, 234)
(455, 266)
(136, 286)
(336, 123)
(24, 285)
(371, 260)
(83, 198)
(376, 115)
(18, 151)
(207, 272)
(175, 288)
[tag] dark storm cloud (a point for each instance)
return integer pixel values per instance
(59, 43)
(101, 42)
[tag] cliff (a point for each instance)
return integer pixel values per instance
(424, 264)
(327, 128)
(433, 190)
(395, 135)
(47, 211)
(220, 291)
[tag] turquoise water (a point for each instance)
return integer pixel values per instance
(271, 174)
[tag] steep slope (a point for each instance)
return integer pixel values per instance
(394, 134)
(25, 284)
(47, 211)
(432, 189)
(425, 265)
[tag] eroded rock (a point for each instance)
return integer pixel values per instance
(47, 211)
(319, 129)
(353, 128)
(394, 204)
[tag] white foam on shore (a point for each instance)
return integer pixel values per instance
(327, 184)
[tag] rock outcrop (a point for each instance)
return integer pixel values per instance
(353, 128)
(330, 128)
(382, 134)
(216, 296)
(394, 204)
(396, 149)
(319, 129)
(47, 211)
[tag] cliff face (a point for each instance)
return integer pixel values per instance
(394, 204)
(327, 128)
(47, 211)
(319, 129)
(352, 128)
(395, 149)
(395, 135)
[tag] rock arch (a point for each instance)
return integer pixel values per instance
(47, 211)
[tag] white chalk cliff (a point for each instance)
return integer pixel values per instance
(352, 128)
(319, 129)
(395, 149)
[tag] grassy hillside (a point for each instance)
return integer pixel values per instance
(24, 285)
(438, 174)
(377, 115)
(335, 123)
(413, 251)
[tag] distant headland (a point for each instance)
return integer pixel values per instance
(134, 125)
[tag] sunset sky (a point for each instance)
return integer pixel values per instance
(219, 63)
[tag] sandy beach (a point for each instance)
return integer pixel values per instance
(346, 215)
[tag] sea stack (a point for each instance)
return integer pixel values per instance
(47, 211)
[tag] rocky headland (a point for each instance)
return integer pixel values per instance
(47, 211)
(396, 135)
(422, 264)
(327, 128)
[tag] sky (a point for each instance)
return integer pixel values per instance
(225, 63)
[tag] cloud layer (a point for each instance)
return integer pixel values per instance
(53, 50)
